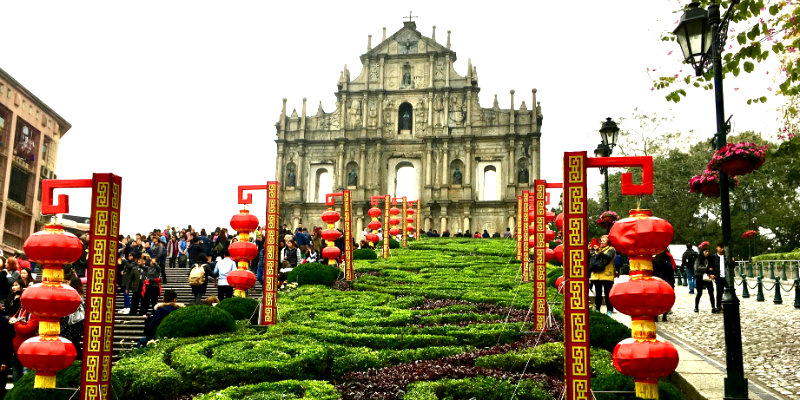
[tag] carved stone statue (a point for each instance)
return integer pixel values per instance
(405, 122)
(406, 79)
(290, 177)
(523, 175)
(457, 176)
(352, 177)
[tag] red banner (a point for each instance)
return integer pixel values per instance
(577, 372)
(349, 275)
(519, 228)
(385, 234)
(539, 266)
(269, 309)
(526, 250)
(101, 287)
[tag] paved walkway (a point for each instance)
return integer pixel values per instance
(770, 344)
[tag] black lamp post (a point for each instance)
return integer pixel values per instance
(748, 202)
(702, 35)
(608, 135)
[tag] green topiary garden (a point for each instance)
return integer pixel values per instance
(444, 319)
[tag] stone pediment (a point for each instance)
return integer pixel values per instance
(407, 41)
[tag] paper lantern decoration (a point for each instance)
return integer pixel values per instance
(558, 252)
(49, 301)
(560, 221)
(243, 252)
(374, 225)
(643, 297)
(331, 252)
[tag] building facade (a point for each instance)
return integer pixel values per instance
(29, 135)
(409, 124)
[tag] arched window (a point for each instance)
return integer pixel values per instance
(324, 185)
(405, 118)
(489, 183)
(406, 181)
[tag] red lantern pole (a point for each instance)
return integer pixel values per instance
(577, 372)
(394, 220)
(411, 228)
(242, 251)
(100, 296)
(404, 235)
(418, 217)
(331, 234)
(518, 237)
(375, 224)
(526, 248)
(269, 304)
(540, 220)
(387, 199)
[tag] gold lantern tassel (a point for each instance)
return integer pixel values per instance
(647, 389)
(44, 381)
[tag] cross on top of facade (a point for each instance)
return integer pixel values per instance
(410, 16)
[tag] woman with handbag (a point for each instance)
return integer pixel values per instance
(704, 277)
(602, 276)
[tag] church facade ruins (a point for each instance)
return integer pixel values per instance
(409, 124)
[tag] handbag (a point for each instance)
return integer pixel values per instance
(706, 278)
(77, 316)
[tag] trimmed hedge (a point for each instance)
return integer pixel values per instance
(547, 358)
(617, 382)
(364, 254)
(393, 244)
(198, 320)
(239, 307)
(605, 332)
(483, 388)
(313, 274)
(67, 378)
(144, 374)
(553, 274)
(290, 389)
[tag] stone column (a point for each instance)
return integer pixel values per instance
(428, 166)
(379, 123)
(512, 223)
(511, 158)
(536, 157)
(279, 167)
(343, 113)
(466, 225)
(534, 123)
(446, 117)
(511, 114)
(445, 165)
(295, 222)
(431, 61)
(359, 228)
(427, 226)
(380, 78)
(301, 178)
(443, 224)
(303, 121)
(340, 182)
(468, 164)
(380, 177)
(362, 149)
(447, 64)
(364, 112)
(283, 118)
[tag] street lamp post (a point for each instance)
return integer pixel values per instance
(703, 222)
(609, 132)
(702, 35)
(748, 201)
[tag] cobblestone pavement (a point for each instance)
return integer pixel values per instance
(770, 335)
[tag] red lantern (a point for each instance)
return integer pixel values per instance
(641, 234)
(374, 225)
(549, 216)
(559, 253)
(410, 220)
(560, 284)
(244, 222)
(409, 229)
(372, 237)
(241, 279)
(394, 231)
(46, 356)
(646, 361)
(394, 211)
(410, 211)
(394, 221)
(531, 215)
(549, 255)
(331, 253)
(374, 212)
(49, 301)
(549, 236)
(330, 216)
(331, 235)
(560, 221)
(642, 297)
(243, 251)
(532, 241)
(531, 230)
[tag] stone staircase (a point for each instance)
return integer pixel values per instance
(129, 328)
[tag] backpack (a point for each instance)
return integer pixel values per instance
(197, 276)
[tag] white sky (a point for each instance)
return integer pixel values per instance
(180, 98)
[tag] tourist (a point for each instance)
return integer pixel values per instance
(477, 235)
(445, 233)
(507, 234)
(663, 268)
(199, 284)
(12, 302)
(25, 276)
(172, 251)
(183, 247)
(459, 234)
(135, 283)
(704, 274)
(687, 263)
(72, 325)
(152, 284)
(125, 267)
(289, 258)
(6, 352)
(159, 254)
(26, 325)
(496, 235)
(161, 310)
(316, 239)
(485, 234)
(221, 271)
(603, 279)
(210, 301)
(13, 270)
(5, 285)
(196, 249)
(312, 255)
(722, 263)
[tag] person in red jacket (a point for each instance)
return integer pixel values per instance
(26, 325)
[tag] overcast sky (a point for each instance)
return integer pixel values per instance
(180, 98)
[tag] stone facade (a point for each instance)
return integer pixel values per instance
(409, 108)
(29, 136)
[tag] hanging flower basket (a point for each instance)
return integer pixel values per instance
(749, 234)
(738, 158)
(707, 183)
(607, 218)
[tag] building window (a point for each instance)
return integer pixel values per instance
(25, 142)
(18, 187)
(5, 124)
(324, 184)
(490, 183)
(14, 230)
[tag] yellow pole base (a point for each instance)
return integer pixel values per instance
(44, 381)
(240, 293)
(646, 390)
